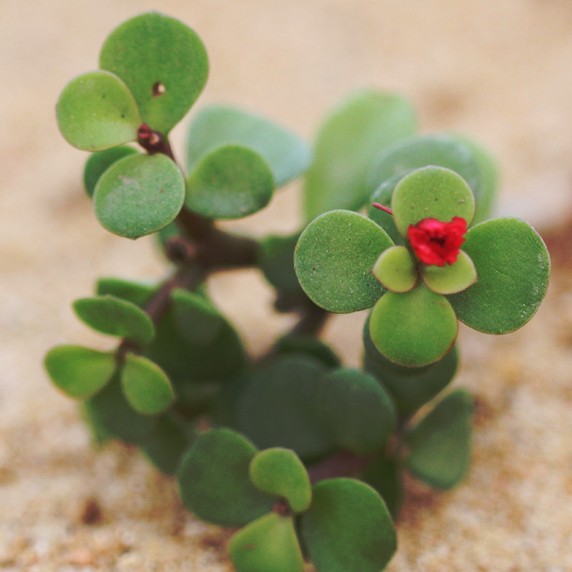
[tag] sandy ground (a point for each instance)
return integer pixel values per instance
(498, 71)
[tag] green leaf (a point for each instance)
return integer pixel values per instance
(99, 162)
(269, 544)
(431, 192)
(346, 145)
(410, 387)
(450, 279)
(513, 268)
(163, 62)
(135, 292)
(396, 269)
(348, 527)
(276, 260)
(334, 259)
(214, 481)
(110, 412)
(459, 154)
(384, 475)
(216, 126)
(167, 443)
(79, 372)
(308, 345)
(229, 182)
(115, 317)
(139, 195)
(146, 386)
(413, 329)
(279, 404)
(383, 195)
(96, 111)
(357, 410)
(280, 472)
(439, 445)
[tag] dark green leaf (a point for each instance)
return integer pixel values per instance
(135, 292)
(357, 410)
(99, 162)
(229, 182)
(115, 317)
(96, 111)
(348, 528)
(334, 259)
(383, 196)
(145, 385)
(346, 145)
(269, 544)
(308, 345)
(214, 481)
(79, 372)
(276, 260)
(139, 195)
(513, 269)
(280, 472)
(413, 329)
(163, 62)
(439, 445)
(216, 126)
(384, 475)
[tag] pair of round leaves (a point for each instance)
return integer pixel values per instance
(153, 68)
(345, 525)
(336, 253)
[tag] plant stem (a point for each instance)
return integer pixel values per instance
(342, 464)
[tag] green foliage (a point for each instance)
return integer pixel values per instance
(99, 162)
(452, 278)
(396, 269)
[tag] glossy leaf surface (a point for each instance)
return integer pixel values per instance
(269, 544)
(115, 317)
(413, 329)
(346, 145)
(439, 445)
(79, 372)
(334, 260)
(215, 483)
(348, 527)
(230, 182)
(145, 385)
(216, 126)
(163, 62)
(99, 162)
(96, 111)
(139, 195)
(280, 472)
(513, 267)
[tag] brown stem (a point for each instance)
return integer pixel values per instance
(342, 464)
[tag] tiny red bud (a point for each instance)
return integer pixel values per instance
(435, 242)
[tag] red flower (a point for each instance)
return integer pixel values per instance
(436, 242)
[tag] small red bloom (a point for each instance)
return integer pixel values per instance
(436, 242)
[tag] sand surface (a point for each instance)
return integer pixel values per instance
(499, 71)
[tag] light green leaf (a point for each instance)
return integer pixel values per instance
(135, 292)
(99, 162)
(450, 279)
(396, 269)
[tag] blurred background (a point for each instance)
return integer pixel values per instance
(497, 72)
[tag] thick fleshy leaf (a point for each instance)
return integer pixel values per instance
(145, 385)
(334, 259)
(79, 372)
(346, 145)
(267, 544)
(139, 195)
(358, 412)
(308, 345)
(276, 260)
(96, 111)
(280, 472)
(110, 412)
(135, 292)
(410, 387)
(459, 154)
(396, 269)
(163, 62)
(167, 443)
(348, 527)
(450, 279)
(115, 317)
(214, 480)
(431, 192)
(216, 126)
(439, 445)
(513, 267)
(413, 329)
(383, 195)
(229, 182)
(278, 407)
(99, 162)
(384, 474)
